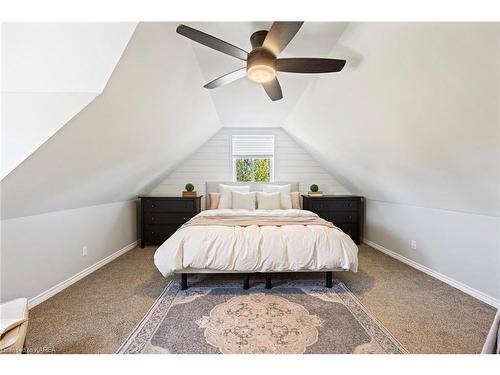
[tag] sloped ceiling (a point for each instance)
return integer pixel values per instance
(50, 71)
(244, 102)
(150, 116)
(414, 120)
(417, 122)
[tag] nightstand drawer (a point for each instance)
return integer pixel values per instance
(161, 216)
(159, 234)
(351, 229)
(169, 206)
(166, 218)
(341, 217)
(334, 205)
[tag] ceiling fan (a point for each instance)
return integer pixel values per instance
(262, 61)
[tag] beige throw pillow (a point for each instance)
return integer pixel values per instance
(214, 200)
(243, 200)
(268, 201)
(284, 190)
(295, 197)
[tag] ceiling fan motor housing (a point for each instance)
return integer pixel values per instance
(257, 38)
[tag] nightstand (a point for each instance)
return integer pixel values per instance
(344, 211)
(161, 216)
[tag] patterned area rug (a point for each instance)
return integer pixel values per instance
(294, 317)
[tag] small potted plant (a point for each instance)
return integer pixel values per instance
(314, 191)
(189, 192)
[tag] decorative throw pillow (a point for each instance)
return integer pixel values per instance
(214, 200)
(226, 200)
(284, 190)
(295, 197)
(268, 201)
(243, 200)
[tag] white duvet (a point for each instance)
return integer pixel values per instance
(257, 248)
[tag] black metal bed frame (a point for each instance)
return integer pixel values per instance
(269, 285)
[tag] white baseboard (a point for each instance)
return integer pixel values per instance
(448, 280)
(80, 275)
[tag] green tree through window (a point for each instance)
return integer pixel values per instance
(250, 169)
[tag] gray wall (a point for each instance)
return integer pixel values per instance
(41, 251)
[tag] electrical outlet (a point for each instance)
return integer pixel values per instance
(413, 244)
(84, 251)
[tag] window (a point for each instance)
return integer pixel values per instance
(253, 158)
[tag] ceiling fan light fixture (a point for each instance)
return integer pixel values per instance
(261, 65)
(261, 73)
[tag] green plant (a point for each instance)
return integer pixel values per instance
(189, 187)
(314, 188)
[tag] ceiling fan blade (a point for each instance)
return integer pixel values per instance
(227, 78)
(273, 89)
(309, 65)
(279, 35)
(212, 42)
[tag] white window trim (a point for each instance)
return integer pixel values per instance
(264, 156)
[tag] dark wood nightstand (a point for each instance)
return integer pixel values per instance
(161, 216)
(344, 211)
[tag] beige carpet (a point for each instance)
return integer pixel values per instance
(96, 314)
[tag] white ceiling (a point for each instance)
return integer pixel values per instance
(50, 71)
(151, 115)
(416, 122)
(61, 57)
(244, 102)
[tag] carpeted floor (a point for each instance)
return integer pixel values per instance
(96, 314)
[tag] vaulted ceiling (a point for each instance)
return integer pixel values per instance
(244, 102)
(51, 71)
(417, 106)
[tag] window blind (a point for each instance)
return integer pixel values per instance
(253, 145)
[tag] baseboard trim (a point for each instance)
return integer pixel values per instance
(448, 280)
(80, 275)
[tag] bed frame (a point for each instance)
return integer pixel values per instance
(246, 279)
(269, 285)
(213, 187)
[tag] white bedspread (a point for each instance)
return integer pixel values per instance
(257, 249)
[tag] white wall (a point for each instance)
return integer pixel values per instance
(416, 124)
(464, 247)
(213, 162)
(50, 71)
(40, 251)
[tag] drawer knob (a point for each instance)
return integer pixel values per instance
(152, 218)
(153, 206)
(152, 232)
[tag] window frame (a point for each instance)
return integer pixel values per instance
(253, 157)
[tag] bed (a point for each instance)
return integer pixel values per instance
(249, 241)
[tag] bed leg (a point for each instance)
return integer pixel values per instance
(269, 285)
(184, 281)
(246, 281)
(329, 279)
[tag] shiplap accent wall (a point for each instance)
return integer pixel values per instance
(213, 162)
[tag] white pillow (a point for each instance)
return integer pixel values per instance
(268, 201)
(243, 200)
(226, 200)
(284, 190)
